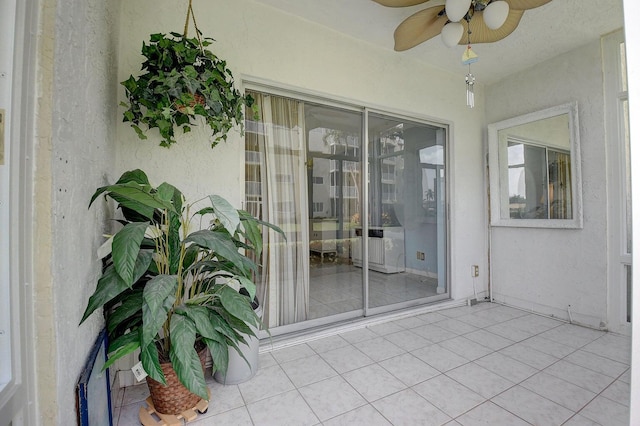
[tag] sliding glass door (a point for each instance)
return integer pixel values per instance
(334, 186)
(407, 226)
(362, 209)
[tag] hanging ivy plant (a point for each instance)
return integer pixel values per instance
(183, 81)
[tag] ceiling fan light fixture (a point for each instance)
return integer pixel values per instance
(457, 9)
(452, 33)
(495, 14)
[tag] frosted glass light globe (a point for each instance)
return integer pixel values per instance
(452, 33)
(457, 9)
(496, 14)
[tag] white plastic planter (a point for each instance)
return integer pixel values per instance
(240, 370)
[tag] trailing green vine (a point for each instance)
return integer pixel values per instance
(182, 83)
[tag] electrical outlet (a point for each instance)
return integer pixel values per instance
(475, 270)
(421, 255)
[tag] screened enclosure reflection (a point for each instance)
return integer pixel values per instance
(539, 181)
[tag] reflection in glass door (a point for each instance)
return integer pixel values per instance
(406, 227)
(334, 183)
(361, 237)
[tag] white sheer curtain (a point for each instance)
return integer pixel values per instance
(280, 138)
(560, 199)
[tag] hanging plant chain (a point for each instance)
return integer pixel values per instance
(192, 15)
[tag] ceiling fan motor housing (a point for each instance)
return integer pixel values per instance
(479, 5)
(499, 18)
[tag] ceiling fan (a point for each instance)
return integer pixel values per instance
(486, 21)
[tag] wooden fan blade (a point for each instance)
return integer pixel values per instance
(480, 33)
(419, 28)
(400, 3)
(526, 4)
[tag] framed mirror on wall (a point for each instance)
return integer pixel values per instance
(534, 170)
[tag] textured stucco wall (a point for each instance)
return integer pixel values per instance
(75, 154)
(548, 269)
(263, 42)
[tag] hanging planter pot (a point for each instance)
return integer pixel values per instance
(184, 84)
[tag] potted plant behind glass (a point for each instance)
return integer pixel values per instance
(169, 290)
(183, 82)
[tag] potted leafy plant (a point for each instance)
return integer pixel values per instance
(170, 289)
(183, 81)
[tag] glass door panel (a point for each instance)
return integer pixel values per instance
(406, 225)
(334, 183)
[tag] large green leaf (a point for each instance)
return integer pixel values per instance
(133, 210)
(240, 328)
(253, 234)
(136, 175)
(221, 325)
(201, 318)
(222, 268)
(226, 213)
(210, 266)
(246, 215)
(125, 249)
(138, 197)
(219, 242)
(132, 323)
(237, 305)
(151, 363)
(122, 346)
(190, 256)
(143, 261)
(174, 242)
(109, 286)
(159, 294)
(219, 355)
(166, 192)
(129, 307)
(184, 358)
(249, 285)
(96, 194)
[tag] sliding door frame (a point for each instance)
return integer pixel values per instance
(274, 88)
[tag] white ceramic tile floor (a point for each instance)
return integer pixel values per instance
(481, 365)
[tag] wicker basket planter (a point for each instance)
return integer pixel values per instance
(173, 398)
(198, 99)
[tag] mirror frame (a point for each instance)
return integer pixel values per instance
(495, 185)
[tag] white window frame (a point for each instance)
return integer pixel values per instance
(18, 87)
(497, 170)
(619, 259)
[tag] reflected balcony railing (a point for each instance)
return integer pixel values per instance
(252, 188)
(347, 166)
(253, 157)
(388, 178)
(347, 192)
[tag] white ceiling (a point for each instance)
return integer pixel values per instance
(543, 33)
